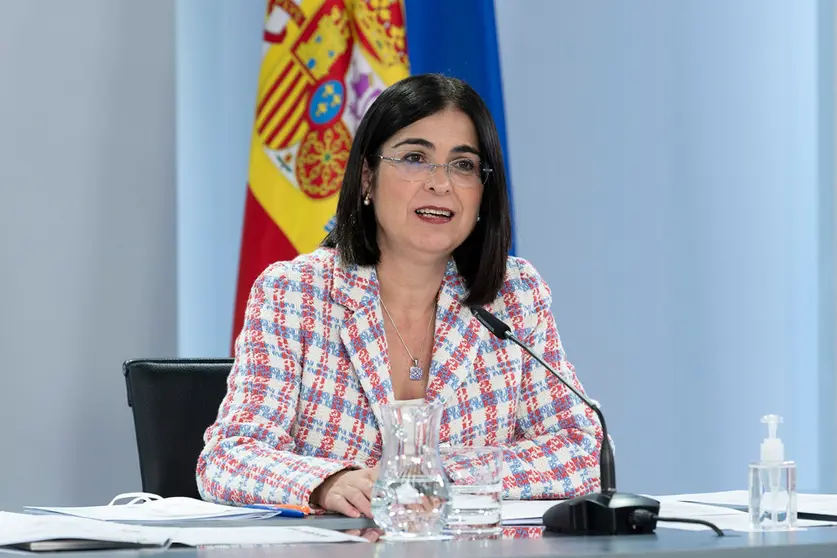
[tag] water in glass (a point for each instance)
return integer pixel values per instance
(476, 477)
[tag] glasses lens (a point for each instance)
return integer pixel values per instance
(465, 172)
(414, 170)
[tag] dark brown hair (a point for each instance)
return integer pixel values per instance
(481, 258)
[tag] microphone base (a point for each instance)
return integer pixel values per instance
(608, 513)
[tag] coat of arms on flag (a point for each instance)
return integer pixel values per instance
(324, 62)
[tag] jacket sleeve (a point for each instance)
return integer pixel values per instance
(248, 456)
(556, 454)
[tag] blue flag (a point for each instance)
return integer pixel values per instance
(459, 38)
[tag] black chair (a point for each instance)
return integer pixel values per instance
(173, 402)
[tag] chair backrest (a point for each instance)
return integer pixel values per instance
(173, 402)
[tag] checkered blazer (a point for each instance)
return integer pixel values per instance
(312, 371)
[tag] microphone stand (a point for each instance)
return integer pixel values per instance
(604, 513)
(608, 512)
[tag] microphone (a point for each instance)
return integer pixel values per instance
(608, 512)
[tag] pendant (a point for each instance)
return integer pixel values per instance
(415, 371)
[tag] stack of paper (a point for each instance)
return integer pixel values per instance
(814, 504)
(17, 529)
(723, 518)
(820, 504)
(523, 512)
(168, 509)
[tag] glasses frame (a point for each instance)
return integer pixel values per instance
(485, 172)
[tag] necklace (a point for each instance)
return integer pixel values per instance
(416, 372)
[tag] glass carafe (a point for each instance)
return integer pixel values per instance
(411, 496)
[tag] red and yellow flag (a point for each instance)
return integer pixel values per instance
(324, 62)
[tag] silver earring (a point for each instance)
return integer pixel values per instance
(366, 200)
(478, 218)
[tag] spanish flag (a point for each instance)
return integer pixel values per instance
(323, 63)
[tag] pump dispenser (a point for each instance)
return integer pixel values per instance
(772, 483)
(772, 448)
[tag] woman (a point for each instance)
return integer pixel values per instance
(422, 233)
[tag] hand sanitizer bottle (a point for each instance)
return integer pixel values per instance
(772, 484)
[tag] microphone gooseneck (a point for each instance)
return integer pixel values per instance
(605, 513)
(606, 462)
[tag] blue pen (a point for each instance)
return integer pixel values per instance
(279, 510)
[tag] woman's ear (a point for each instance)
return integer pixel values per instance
(366, 180)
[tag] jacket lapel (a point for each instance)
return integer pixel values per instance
(456, 339)
(362, 333)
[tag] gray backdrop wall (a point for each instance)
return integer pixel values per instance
(672, 164)
(672, 167)
(87, 238)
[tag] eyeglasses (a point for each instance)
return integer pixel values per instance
(462, 172)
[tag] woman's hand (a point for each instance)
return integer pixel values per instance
(347, 492)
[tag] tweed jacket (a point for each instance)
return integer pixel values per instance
(311, 374)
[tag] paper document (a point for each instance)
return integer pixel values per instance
(23, 528)
(724, 518)
(524, 512)
(821, 504)
(734, 521)
(737, 498)
(167, 509)
(208, 536)
(674, 508)
(16, 528)
(530, 512)
(729, 522)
